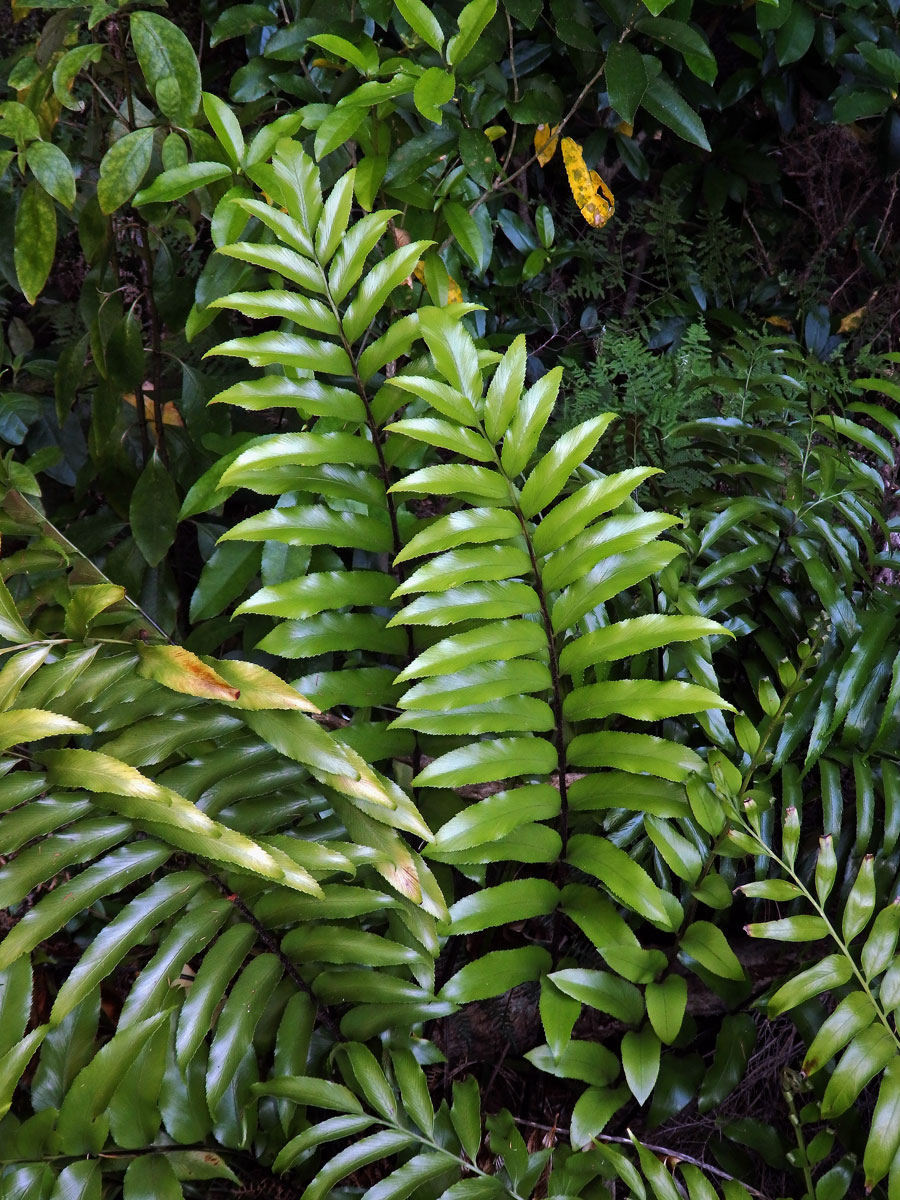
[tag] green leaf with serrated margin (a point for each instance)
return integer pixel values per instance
(868, 1053)
(516, 900)
(603, 991)
(495, 973)
(855, 1013)
(884, 1131)
(226, 127)
(831, 972)
(177, 182)
(707, 944)
(472, 20)
(484, 762)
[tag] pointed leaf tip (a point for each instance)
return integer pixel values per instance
(178, 669)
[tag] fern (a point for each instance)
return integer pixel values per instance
(503, 597)
(516, 656)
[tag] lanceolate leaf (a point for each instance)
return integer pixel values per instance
(35, 240)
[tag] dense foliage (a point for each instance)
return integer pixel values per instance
(565, 864)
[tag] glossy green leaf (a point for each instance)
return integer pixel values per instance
(484, 762)
(497, 815)
(640, 1062)
(237, 1022)
(587, 1061)
(884, 1133)
(603, 991)
(517, 900)
(226, 127)
(108, 875)
(634, 635)
(151, 1177)
(53, 171)
(625, 879)
(626, 78)
(790, 929)
(666, 1004)
(830, 972)
(640, 699)
(35, 240)
(78, 1181)
(495, 973)
(178, 181)
(854, 1014)
(472, 20)
(169, 65)
(707, 944)
(128, 929)
(668, 106)
(868, 1053)
(420, 18)
(638, 753)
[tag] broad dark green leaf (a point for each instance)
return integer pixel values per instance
(626, 79)
(123, 168)
(495, 973)
(35, 240)
(640, 1061)
(153, 512)
(169, 64)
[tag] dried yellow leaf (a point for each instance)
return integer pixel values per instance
(170, 414)
(779, 323)
(454, 291)
(545, 143)
(591, 194)
(853, 320)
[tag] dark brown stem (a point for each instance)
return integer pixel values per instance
(143, 233)
(556, 702)
(143, 236)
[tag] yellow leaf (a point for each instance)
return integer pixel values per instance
(183, 672)
(545, 142)
(170, 414)
(591, 194)
(259, 689)
(853, 320)
(454, 291)
(625, 128)
(779, 323)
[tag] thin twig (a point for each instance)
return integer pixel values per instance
(500, 184)
(678, 1155)
(507, 158)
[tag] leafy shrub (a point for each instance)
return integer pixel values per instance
(285, 911)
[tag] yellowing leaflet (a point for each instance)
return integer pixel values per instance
(545, 143)
(591, 194)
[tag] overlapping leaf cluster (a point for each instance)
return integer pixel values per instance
(504, 768)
